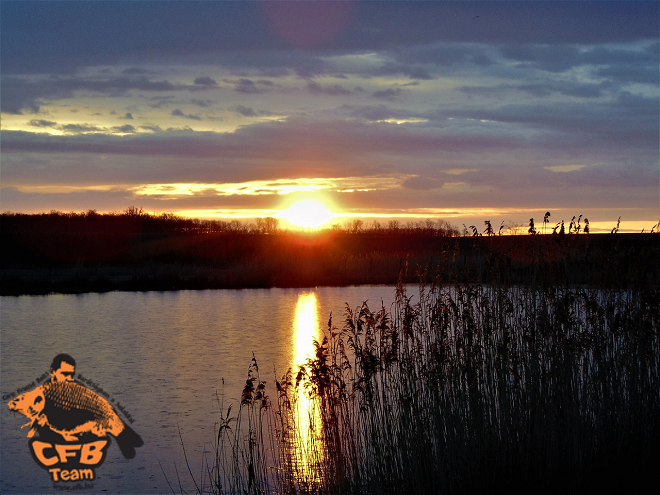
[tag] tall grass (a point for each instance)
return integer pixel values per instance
(472, 388)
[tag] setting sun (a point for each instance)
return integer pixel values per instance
(307, 214)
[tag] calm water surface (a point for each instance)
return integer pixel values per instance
(163, 355)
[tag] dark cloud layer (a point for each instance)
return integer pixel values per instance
(20, 94)
(327, 141)
(205, 81)
(408, 70)
(559, 58)
(42, 123)
(44, 37)
(387, 94)
(331, 90)
(546, 88)
(630, 120)
(629, 123)
(178, 113)
(251, 112)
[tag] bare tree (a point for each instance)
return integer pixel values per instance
(356, 226)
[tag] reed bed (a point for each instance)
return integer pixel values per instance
(474, 387)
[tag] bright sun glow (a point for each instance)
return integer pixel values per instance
(307, 214)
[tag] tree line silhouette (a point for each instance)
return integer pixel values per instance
(134, 219)
(134, 250)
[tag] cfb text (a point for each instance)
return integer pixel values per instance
(90, 454)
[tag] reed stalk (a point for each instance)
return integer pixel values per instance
(474, 387)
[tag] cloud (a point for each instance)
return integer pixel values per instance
(205, 81)
(80, 128)
(564, 168)
(410, 71)
(602, 55)
(487, 91)
(162, 101)
(332, 90)
(387, 94)
(202, 103)
(419, 183)
(382, 112)
(19, 94)
(551, 58)
(125, 129)
(178, 113)
(291, 140)
(273, 71)
(128, 116)
(247, 86)
(246, 111)
(568, 88)
(42, 123)
(444, 55)
(243, 84)
(543, 89)
(628, 121)
(119, 85)
(250, 112)
(630, 74)
(560, 58)
(134, 71)
(19, 97)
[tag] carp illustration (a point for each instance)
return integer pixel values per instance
(70, 409)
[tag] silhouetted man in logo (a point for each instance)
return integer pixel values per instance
(63, 368)
(64, 410)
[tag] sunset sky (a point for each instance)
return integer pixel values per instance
(463, 111)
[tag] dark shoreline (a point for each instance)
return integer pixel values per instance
(15, 286)
(73, 262)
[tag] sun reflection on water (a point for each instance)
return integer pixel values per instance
(306, 329)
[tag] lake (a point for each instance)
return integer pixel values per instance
(163, 356)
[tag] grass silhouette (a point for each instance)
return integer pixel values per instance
(473, 388)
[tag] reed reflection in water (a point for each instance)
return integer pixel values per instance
(308, 419)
